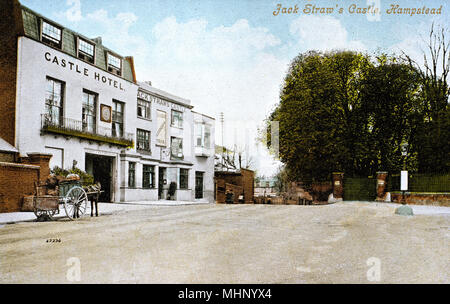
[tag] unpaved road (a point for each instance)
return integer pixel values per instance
(232, 244)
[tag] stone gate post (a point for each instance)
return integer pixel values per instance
(381, 186)
(338, 186)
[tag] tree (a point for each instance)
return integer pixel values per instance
(227, 159)
(344, 111)
(281, 179)
(318, 113)
(432, 133)
(390, 94)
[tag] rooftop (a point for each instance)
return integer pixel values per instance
(173, 98)
(6, 147)
(69, 43)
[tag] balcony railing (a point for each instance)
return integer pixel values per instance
(72, 127)
(202, 151)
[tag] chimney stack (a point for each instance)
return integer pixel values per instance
(98, 40)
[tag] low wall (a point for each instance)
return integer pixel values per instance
(16, 180)
(273, 200)
(435, 199)
(321, 190)
(136, 195)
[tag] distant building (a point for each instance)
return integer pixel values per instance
(240, 183)
(265, 187)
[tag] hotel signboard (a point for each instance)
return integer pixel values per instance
(161, 122)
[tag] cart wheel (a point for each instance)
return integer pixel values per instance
(75, 203)
(44, 213)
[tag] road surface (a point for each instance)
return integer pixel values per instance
(339, 243)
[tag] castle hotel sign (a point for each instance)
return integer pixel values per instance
(67, 64)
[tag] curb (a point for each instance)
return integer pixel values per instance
(57, 217)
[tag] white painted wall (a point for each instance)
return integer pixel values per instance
(36, 62)
(33, 69)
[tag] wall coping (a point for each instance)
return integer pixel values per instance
(421, 193)
(5, 164)
(38, 154)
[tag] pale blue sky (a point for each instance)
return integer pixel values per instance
(231, 55)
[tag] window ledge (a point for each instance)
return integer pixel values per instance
(143, 118)
(147, 152)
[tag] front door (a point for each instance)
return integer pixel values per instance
(161, 178)
(101, 169)
(198, 185)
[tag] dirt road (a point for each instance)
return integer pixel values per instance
(338, 243)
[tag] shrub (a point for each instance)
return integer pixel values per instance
(86, 178)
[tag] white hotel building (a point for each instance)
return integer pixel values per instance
(81, 102)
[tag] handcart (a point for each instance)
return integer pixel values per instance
(70, 193)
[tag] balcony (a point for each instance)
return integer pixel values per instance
(72, 127)
(203, 152)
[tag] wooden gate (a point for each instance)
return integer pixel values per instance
(360, 188)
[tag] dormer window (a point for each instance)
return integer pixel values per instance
(86, 50)
(114, 64)
(51, 34)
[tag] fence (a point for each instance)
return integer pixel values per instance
(69, 126)
(428, 183)
(422, 188)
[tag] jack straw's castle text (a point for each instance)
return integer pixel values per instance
(355, 9)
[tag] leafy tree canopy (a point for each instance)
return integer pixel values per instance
(347, 111)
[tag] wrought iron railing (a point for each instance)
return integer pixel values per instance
(417, 182)
(69, 126)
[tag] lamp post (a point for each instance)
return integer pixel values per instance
(404, 172)
(404, 210)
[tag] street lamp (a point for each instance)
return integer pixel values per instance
(404, 172)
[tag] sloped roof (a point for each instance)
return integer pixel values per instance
(32, 30)
(6, 147)
(173, 98)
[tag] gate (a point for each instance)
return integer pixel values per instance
(360, 188)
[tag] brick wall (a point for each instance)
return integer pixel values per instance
(434, 199)
(7, 157)
(244, 180)
(248, 185)
(10, 27)
(220, 190)
(237, 191)
(39, 159)
(16, 181)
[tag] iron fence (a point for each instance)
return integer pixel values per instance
(432, 183)
(75, 127)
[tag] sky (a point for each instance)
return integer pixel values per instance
(231, 56)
